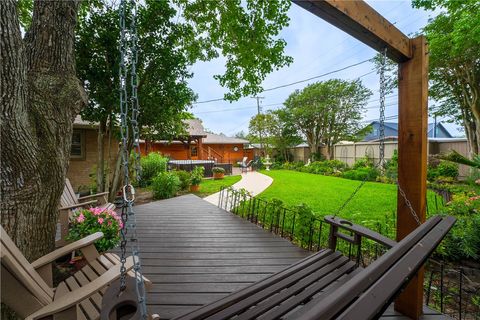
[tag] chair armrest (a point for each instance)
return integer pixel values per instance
(96, 195)
(360, 230)
(78, 205)
(78, 295)
(79, 244)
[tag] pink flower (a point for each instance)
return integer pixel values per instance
(100, 220)
(81, 218)
(109, 222)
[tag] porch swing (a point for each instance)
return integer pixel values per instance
(327, 284)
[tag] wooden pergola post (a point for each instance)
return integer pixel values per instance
(361, 21)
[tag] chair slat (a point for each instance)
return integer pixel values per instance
(86, 305)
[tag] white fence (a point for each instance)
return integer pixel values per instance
(351, 152)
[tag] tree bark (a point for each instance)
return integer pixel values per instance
(40, 97)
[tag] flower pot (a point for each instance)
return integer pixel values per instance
(218, 175)
(194, 188)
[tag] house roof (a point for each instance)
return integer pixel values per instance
(80, 123)
(195, 128)
(394, 126)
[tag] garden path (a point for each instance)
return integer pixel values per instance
(254, 182)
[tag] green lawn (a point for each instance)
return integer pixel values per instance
(326, 194)
(210, 186)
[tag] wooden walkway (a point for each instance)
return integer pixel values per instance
(195, 253)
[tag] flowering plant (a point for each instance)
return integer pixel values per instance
(85, 222)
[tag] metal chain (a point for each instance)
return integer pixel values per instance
(124, 133)
(128, 52)
(409, 204)
(140, 286)
(383, 89)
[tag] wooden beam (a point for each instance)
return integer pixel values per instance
(361, 21)
(412, 160)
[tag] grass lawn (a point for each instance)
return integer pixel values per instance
(326, 194)
(210, 186)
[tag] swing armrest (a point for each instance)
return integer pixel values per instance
(359, 230)
(78, 295)
(78, 205)
(69, 248)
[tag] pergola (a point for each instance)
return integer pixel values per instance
(364, 23)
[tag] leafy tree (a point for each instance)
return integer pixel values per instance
(43, 93)
(454, 47)
(274, 130)
(327, 112)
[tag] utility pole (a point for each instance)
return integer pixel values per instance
(259, 111)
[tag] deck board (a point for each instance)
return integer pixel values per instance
(195, 253)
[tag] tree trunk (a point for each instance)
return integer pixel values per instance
(101, 156)
(40, 97)
(117, 177)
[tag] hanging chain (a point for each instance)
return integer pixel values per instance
(124, 133)
(383, 62)
(128, 53)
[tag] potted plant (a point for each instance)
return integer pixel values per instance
(218, 173)
(196, 178)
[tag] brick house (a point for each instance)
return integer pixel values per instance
(83, 153)
(197, 144)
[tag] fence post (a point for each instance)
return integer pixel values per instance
(441, 286)
(460, 295)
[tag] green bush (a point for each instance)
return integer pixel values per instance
(391, 167)
(165, 185)
(184, 177)
(218, 170)
(364, 162)
(152, 164)
(196, 176)
(361, 173)
(463, 241)
(445, 169)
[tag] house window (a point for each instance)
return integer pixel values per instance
(77, 149)
(235, 148)
(193, 151)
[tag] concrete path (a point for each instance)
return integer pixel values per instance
(254, 182)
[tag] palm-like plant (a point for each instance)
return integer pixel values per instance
(456, 157)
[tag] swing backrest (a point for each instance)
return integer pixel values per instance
(27, 291)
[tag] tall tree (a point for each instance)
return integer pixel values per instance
(41, 94)
(454, 48)
(40, 97)
(327, 112)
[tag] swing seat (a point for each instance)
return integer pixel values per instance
(27, 288)
(327, 285)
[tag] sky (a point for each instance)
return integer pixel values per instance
(316, 47)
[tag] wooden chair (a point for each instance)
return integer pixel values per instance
(27, 288)
(327, 285)
(69, 201)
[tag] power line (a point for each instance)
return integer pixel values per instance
(300, 81)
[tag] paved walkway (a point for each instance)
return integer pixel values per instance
(254, 182)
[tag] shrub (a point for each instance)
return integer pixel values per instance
(85, 222)
(152, 164)
(197, 175)
(443, 169)
(184, 177)
(368, 173)
(364, 162)
(165, 185)
(391, 167)
(218, 170)
(463, 241)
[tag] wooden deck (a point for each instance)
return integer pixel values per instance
(195, 253)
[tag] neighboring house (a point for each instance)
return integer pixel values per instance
(391, 130)
(198, 144)
(83, 153)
